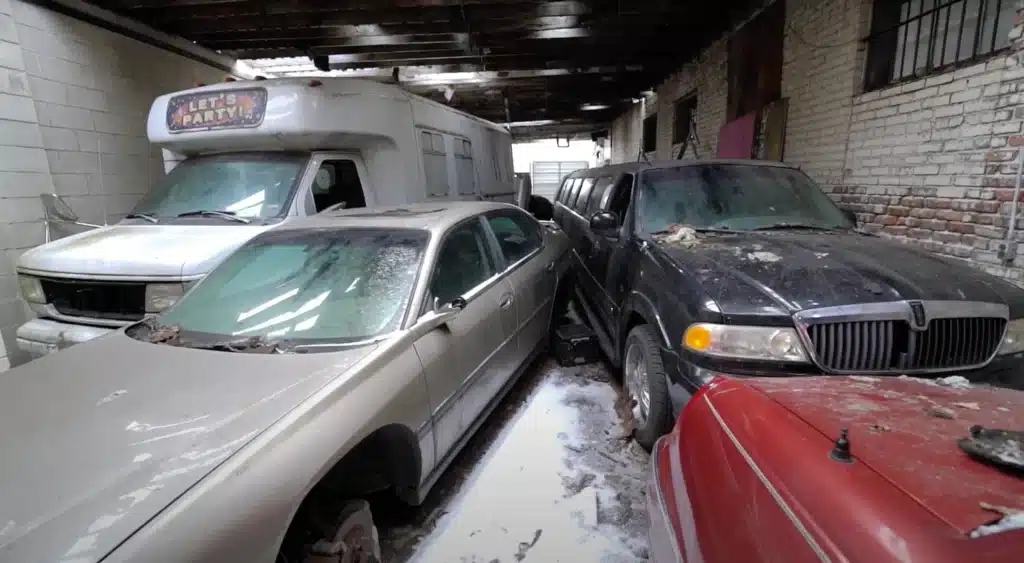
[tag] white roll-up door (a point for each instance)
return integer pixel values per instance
(546, 176)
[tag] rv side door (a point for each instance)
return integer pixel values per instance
(334, 181)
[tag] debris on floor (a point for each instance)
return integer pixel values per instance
(555, 482)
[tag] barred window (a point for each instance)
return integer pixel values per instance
(914, 38)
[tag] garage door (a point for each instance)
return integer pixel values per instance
(546, 176)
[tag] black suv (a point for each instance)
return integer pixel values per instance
(690, 269)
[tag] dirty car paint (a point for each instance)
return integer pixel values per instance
(891, 430)
(151, 251)
(776, 273)
(100, 452)
(747, 475)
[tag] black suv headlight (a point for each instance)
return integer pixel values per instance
(779, 344)
(1013, 341)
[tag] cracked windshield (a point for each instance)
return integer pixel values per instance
(734, 197)
(329, 286)
(255, 186)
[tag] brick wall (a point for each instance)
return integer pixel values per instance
(707, 77)
(917, 157)
(930, 162)
(821, 55)
(73, 106)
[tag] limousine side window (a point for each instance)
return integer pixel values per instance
(562, 189)
(597, 195)
(580, 203)
(618, 203)
(570, 194)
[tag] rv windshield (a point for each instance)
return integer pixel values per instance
(255, 185)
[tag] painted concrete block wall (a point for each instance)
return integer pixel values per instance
(73, 106)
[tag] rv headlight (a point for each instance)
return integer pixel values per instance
(31, 289)
(161, 296)
(745, 342)
(1013, 342)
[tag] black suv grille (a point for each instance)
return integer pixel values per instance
(947, 343)
(116, 301)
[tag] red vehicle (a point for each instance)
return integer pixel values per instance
(851, 469)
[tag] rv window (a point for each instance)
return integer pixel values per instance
(580, 203)
(337, 181)
(465, 172)
(597, 194)
(247, 184)
(435, 163)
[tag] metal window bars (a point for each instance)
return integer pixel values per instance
(915, 38)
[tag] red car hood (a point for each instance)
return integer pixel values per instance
(892, 431)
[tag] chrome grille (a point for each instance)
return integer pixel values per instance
(892, 345)
(119, 301)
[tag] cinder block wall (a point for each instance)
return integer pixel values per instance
(73, 106)
(930, 162)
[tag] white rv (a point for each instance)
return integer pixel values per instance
(253, 155)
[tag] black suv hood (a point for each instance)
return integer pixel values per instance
(773, 274)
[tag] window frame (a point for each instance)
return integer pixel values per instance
(458, 156)
(649, 134)
(424, 152)
(888, 24)
(689, 104)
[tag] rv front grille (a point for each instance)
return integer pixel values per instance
(115, 301)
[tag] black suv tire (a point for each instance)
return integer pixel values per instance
(641, 340)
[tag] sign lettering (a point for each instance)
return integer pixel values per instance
(227, 109)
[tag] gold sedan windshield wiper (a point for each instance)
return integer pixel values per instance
(229, 215)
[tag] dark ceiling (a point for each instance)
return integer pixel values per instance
(575, 62)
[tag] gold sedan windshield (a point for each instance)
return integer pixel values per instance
(325, 285)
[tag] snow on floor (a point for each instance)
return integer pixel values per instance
(558, 483)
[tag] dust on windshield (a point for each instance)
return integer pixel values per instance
(305, 286)
(734, 196)
(255, 185)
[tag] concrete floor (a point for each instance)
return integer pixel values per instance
(551, 477)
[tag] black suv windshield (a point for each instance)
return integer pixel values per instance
(734, 196)
(331, 285)
(257, 185)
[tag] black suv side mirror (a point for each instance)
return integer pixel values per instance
(605, 223)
